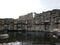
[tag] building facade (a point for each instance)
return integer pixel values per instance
(49, 20)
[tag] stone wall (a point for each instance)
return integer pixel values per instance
(28, 16)
(48, 20)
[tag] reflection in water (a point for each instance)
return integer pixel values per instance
(26, 43)
(33, 37)
(19, 43)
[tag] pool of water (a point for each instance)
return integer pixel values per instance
(27, 43)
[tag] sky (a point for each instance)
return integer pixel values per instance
(16, 8)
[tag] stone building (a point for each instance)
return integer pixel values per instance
(25, 22)
(7, 24)
(49, 20)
